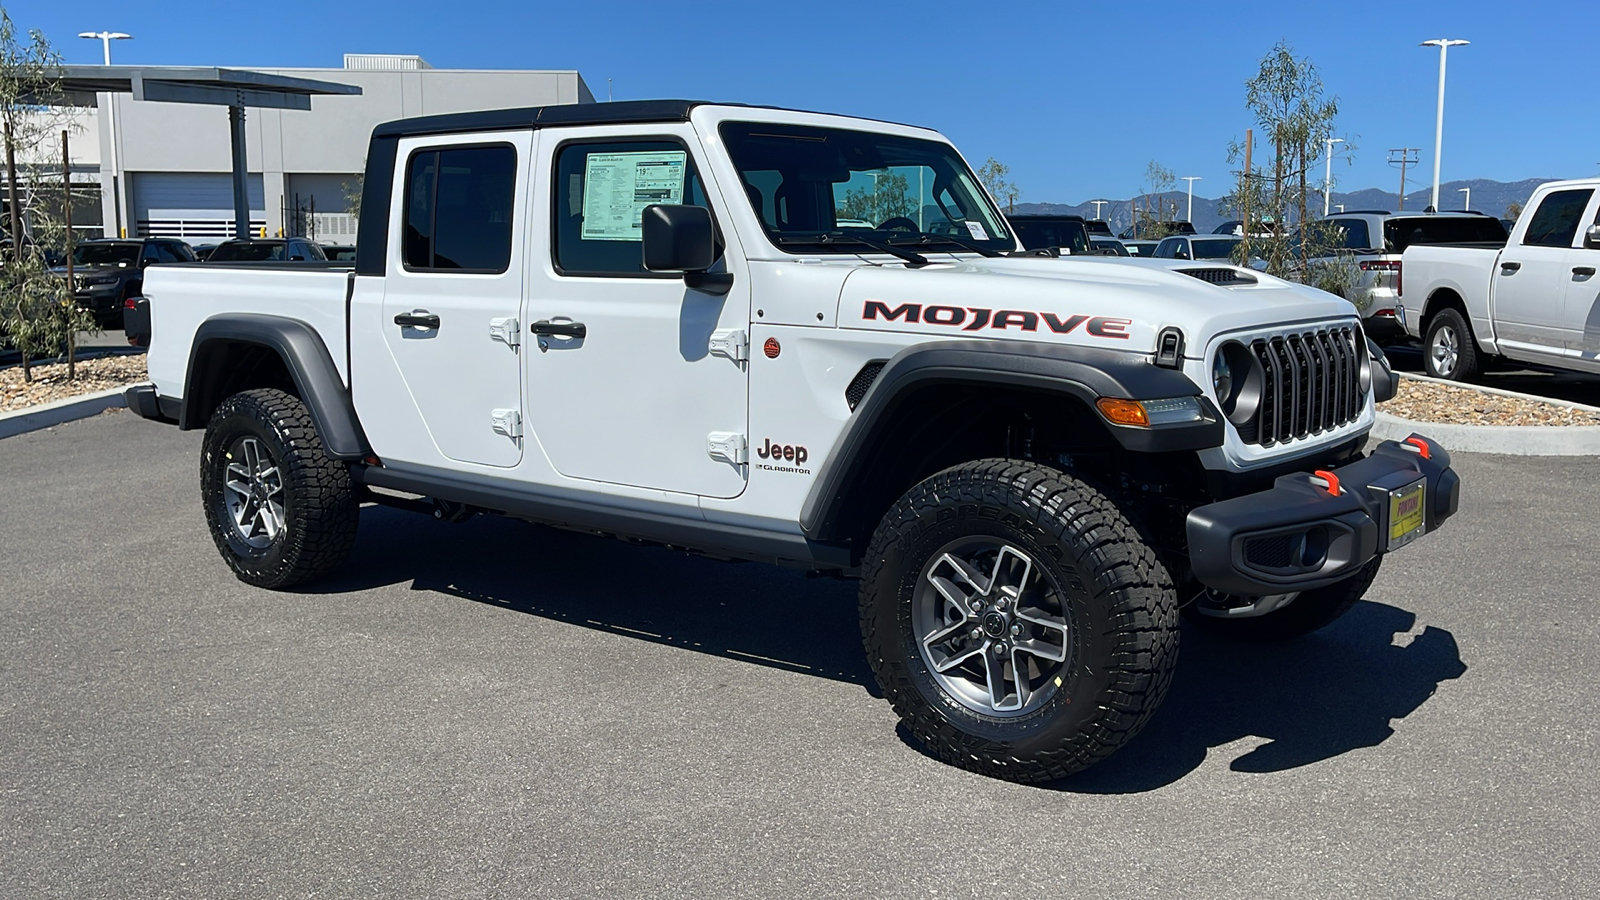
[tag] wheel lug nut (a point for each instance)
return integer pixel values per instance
(1001, 603)
(1000, 648)
(1016, 630)
(977, 633)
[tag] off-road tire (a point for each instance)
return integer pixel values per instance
(1122, 612)
(1310, 611)
(1468, 361)
(320, 510)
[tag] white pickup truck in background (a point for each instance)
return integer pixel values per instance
(1534, 299)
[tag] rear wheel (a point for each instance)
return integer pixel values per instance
(1448, 350)
(280, 510)
(1016, 620)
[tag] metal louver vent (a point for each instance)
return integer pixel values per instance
(1223, 277)
(863, 380)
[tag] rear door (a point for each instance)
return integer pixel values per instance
(1582, 304)
(1531, 279)
(452, 293)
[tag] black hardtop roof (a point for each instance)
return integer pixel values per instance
(620, 112)
(1064, 217)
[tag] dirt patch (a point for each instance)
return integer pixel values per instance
(50, 382)
(1442, 404)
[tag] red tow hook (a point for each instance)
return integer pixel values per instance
(1331, 481)
(1421, 446)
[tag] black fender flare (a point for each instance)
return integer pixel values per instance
(304, 354)
(1083, 373)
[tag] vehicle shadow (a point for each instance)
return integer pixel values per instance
(745, 611)
(1311, 699)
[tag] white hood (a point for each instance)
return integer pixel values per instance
(1111, 303)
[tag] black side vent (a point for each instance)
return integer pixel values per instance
(863, 380)
(1222, 277)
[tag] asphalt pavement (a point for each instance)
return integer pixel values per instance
(497, 709)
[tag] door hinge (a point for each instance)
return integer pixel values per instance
(507, 422)
(732, 343)
(727, 446)
(507, 331)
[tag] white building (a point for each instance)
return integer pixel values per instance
(172, 160)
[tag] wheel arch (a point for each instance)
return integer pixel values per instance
(1441, 299)
(892, 440)
(233, 352)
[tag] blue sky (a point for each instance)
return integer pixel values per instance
(1075, 97)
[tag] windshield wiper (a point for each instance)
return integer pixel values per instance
(926, 238)
(915, 259)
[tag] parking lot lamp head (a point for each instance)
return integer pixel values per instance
(105, 38)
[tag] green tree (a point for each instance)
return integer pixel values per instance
(1513, 210)
(993, 175)
(888, 198)
(1156, 219)
(37, 311)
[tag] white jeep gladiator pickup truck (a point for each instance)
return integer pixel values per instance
(643, 320)
(1534, 299)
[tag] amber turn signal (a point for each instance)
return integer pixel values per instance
(1123, 412)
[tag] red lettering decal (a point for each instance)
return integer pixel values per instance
(1027, 321)
(1060, 327)
(911, 312)
(980, 318)
(1100, 326)
(944, 315)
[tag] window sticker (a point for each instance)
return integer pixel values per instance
(618, 186)
(977, 231)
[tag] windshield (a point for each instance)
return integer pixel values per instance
(246, 251)
(105, 254)
(1212, 248)
(806, 183)
(1038, 233)
(1402, 233)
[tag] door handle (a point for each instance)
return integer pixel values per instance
(1507, 268)
(417, 320)
(1583, 271)
(560, 329)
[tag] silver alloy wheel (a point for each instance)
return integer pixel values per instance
(253, 493)
(1446, 350)
(991, 627)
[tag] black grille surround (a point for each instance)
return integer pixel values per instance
(1221, 277)
(1310, 384)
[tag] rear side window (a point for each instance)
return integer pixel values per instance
(458, 209)
(1353, 234)
(1556, 222)
(601, 192)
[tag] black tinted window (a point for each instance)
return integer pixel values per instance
(1351, 234)
(1556, 222)
(601, 192)
(458, 208)
(247, 251)
(1038, 233)
(1401, 233)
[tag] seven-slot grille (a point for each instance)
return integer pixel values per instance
(1312, 384)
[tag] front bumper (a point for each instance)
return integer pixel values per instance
(1299, 534)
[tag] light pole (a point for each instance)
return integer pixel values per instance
(1466, 205)
(105, 38)
(1444, 45)
(1191, 179)
(1097, 205)
(1327, 184)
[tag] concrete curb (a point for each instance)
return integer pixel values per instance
(1511, 440)
(1499, 392)
(35, 418)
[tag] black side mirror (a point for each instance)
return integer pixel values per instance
(683, 239)
(1591, 238)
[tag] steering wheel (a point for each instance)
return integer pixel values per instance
(898, 223)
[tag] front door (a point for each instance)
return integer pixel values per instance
(656, 377)
(452, 295)
(1530, 285)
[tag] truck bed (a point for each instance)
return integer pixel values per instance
(183, 296)
(1463, 269)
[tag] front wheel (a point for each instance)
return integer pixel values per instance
(281, 511)
(1016, 621)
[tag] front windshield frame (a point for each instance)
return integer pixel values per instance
(946, 185)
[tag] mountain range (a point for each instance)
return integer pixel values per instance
(1488, 196)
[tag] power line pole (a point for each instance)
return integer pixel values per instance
(1406, 159)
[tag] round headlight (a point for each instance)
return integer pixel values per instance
(1222, 378)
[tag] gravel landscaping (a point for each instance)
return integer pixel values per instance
(1422, 401)
(50, 381)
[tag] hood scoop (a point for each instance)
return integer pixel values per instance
(1220, 277)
